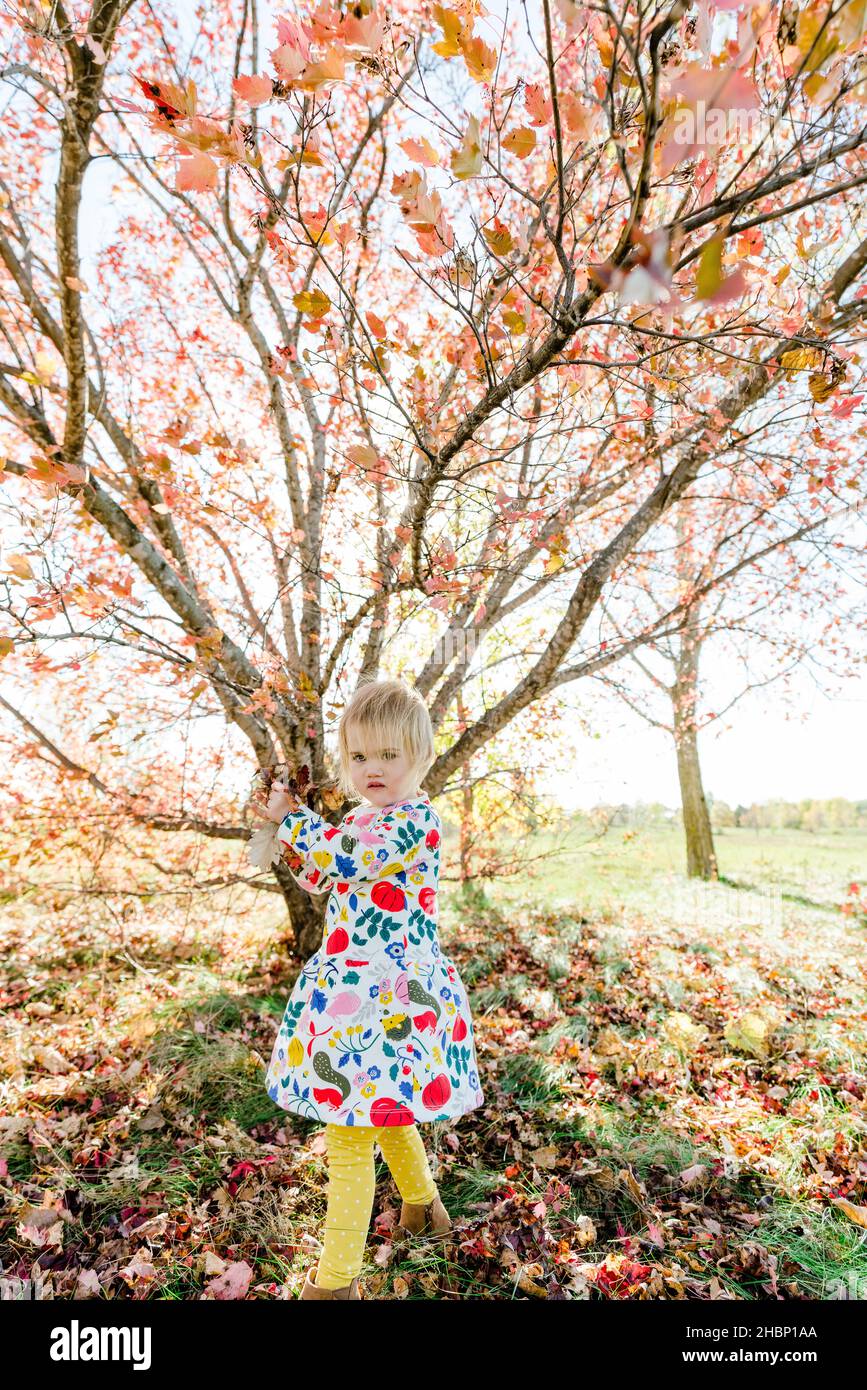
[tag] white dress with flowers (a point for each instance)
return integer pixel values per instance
(377, 1030)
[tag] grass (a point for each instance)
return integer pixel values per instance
(616, 1155)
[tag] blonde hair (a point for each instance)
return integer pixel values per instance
(392, 713)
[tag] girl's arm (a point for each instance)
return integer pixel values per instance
(307, 875)
(350, 851)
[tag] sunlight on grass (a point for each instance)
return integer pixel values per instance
(672, 1069)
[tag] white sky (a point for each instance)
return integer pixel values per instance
(755, 754)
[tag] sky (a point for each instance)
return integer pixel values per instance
(811, 746)
(755, 754)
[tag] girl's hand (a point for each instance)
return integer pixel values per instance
(280, 802)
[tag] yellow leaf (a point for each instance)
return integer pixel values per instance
(609, 1043)
(20, 565)
(467, 161)
(850, 22)
(314, 303)
(451, 25)
(821, 387)
(809, 41)
(514, 322)
(521, 141)
(462, 271)
(6, 646)
(555, 561)
(682, 1033)
(498, 238)
(798, 359)
(605, 47)
(710, 272)
(750, 1034)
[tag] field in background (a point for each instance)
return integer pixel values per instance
(675, 1078)
(646, 867)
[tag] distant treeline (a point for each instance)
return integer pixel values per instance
(834, 814)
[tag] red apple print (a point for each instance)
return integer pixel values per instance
(390, 1112)
(388, 896)
(337, 941)
(436, 1092)
(432, 839)
(427, 901)
(459, 1032)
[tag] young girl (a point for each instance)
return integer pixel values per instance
(377, 1036)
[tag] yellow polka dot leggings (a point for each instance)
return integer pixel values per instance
(351, 1183)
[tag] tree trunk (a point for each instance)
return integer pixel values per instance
(466, 825)
(306, 913)
(700, 853)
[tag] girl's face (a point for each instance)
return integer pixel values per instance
(380, 775)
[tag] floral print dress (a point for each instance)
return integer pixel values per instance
(377, 1030)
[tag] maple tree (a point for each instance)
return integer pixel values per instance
(409, 335)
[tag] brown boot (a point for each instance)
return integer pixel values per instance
(312, 1289)
(428, 1220)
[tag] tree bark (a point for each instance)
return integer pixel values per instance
(700, 853)
(306, 913)
(466, 803)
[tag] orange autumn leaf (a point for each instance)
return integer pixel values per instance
(481, 60)
(363, 455)
(253, 90)
(521, 141)
(538, 104)
(420, 152)
(332, 68)
(196, 173)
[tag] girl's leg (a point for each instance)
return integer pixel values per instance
(404, 1152)
(351, 1182)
